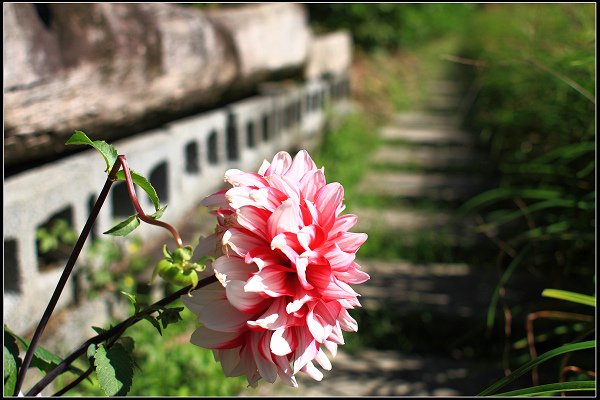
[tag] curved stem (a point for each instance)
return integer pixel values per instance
(114, 332)
(65, 276)
(138, 208)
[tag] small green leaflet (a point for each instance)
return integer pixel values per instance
(170, 316)
(114, 368)
(109, 153)
(107, 150)
(42, 358)
(124, 227)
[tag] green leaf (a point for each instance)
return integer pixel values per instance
(107, 150)
(12, 363)
(123, 228)
(144, 184)
(10, 372)
(132, 300)
(533, 363)
(158, 213)
(170, 316)
(154, 323)
(42, 359)
(491, 314)
(543, 390)
(570, 296)
(114, 368)
(98, 330)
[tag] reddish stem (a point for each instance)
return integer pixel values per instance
(141, 214)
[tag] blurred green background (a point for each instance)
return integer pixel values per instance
(531, 68)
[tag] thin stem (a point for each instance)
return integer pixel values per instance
(116, 331)
(76, 382)
(138, 208)
(65, 276)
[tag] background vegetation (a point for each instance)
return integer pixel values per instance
(532, 70)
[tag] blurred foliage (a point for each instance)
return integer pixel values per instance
(390, 26)
(168, 365)
(535, 115)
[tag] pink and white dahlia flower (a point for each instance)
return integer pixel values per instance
(284, 263)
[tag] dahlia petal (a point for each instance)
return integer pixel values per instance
(284, 370)
(337, 258)
(336, 335)
(240, 178)
(241, 241)
(282, 342)
(338, 290)
(301, 264)
(287, 242)
(331, 347)
(328, 201)
(271, 280)
(268, 198)
(229, 359)
(311, 182)
(285, 219)
(266, 367)
(323, 360)
(232, 269)
(350, 241)
(343, 223)
(312, 371)
(262, 257)
(215, 199)
(263, 167)
(352, 275)
(280, 164)
(306, 350)
(347, 323)
(254, 219)
(301, 164)
(321, 319)
(273, 318)
(246, 302)
(210, 339)
(240, 196)
(285, 185)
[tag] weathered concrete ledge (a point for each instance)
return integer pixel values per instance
(115, 69)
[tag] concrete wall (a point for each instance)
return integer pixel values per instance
(184, 159)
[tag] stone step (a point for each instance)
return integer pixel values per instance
(423, 119)
(443, 102)
(428, 157)
(421, 185)
(370, 219)
(389, 373)
(457, 289)
(445, 87)
(427, 135)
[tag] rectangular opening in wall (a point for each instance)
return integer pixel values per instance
(192, 158)
(121, 203)
(250, 141)
(159, 178)
(232, 140)
(55, 239)
(12, 275)
(212, 150)
(266, 134)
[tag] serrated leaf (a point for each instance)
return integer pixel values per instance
(98, 330)
(127, 342)
(170, 316)
(159, 213)
(42, 359)
(12, 363)
(91, 351)
(107, 150)
(123, 228)
(10, 372)
(154, 323)
(114, 368)
(142, 182)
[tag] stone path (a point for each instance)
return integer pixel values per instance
(426, 156)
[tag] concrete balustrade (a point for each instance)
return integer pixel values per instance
(185, 160)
